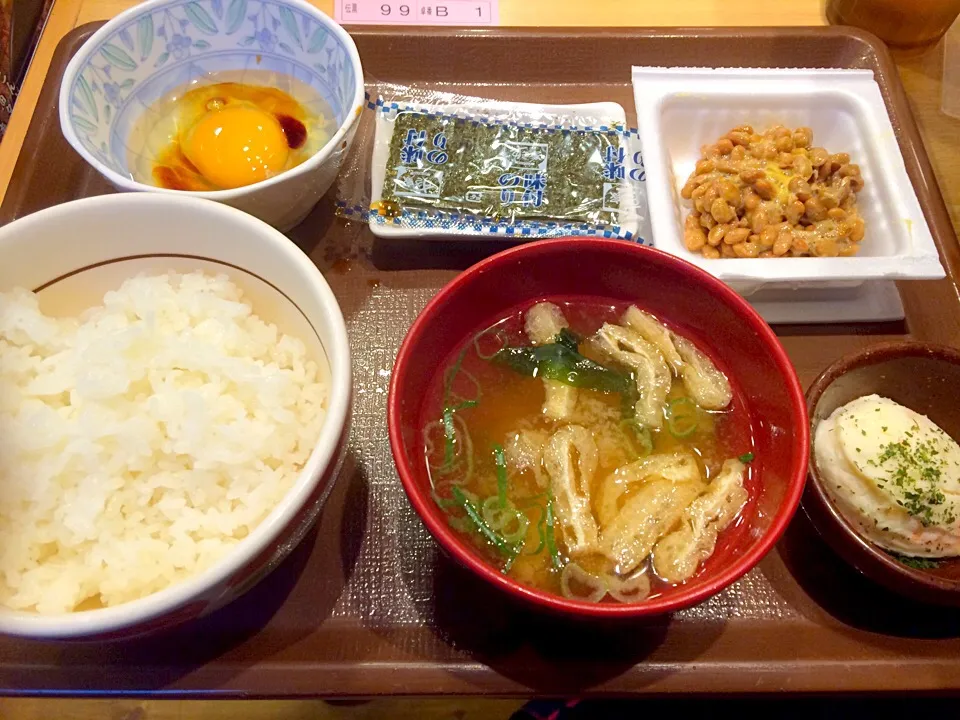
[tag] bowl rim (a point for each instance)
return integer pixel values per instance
(322, 458)
(879, 565)
(447, 538)
(353, 111)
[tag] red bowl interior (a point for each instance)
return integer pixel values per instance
(696, 304)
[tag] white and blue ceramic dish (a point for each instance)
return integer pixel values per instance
(159, 45)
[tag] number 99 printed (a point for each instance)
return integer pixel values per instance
(387, 9)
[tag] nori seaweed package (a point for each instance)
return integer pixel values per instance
(442, 165)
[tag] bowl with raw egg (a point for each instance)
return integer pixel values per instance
(252, 103)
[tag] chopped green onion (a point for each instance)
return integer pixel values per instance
(448, 381)
(457, 401)
(476, 344)
(450, 437)
(457, 522)
(512, 524)
(429, 448)
(479, 522)
(513, 556)
(917, 563)
(541, 532)
(630, 590)
(682, 417)
(747, 458)
(518, 536)
(573, 573)
(442, 502)
(451, 375)
(450, 408)
(501, 462)
(457, 454)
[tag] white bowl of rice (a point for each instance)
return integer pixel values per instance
(174, 407)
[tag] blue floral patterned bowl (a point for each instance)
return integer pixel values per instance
(159, 45)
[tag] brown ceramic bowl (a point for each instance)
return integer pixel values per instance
(924, 377)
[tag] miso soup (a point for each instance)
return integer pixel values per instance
(589, 450)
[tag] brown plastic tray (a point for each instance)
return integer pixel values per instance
(366, 605)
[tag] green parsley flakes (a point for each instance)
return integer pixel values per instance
(916, 471)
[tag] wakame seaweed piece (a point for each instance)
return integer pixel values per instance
(568, 337)
(503, 172)
(556, 361)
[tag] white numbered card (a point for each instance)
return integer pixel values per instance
(418, 12)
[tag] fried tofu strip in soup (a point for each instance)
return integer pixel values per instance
(653, 378)
(649, 513)
(677, 556)
(570, 458)
(676, 466)
(708, 387)
(655, 333)
(524, 450)
(542, 324)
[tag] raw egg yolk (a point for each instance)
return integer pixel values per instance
(236, 146)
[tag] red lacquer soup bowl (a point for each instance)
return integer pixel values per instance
(695, 304)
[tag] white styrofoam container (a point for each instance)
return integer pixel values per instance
(631, 201)
(681, 109)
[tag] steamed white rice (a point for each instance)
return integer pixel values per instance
(143, 440)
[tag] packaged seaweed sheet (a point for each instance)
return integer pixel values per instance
(483, 167)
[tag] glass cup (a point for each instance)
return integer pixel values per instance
(899, 23)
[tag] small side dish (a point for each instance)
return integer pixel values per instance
(143, 440)
(772, 194)
(588, 450)
(894, 475)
